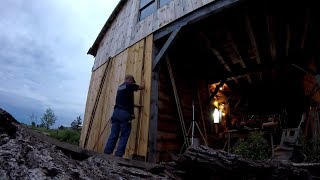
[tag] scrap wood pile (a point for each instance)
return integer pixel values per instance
(29, 155)
(25, 156)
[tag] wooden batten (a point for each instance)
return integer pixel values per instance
(137, 61)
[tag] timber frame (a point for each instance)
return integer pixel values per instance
(241, 54)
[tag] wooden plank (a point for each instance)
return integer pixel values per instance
(187, 6)
(153, 125)
(114, 80)
(195, 16)
(155, 24)
(288, 40)
(96, 104)
(132, 51)
(178, 8)
(107, 105)
(170, 13)
(162, 16)
(96, 116)
(154, 110)
(272, 43)
(220, 58)
(92, 93)
(125, 31)
(139, 96)
(165, 48)
(196, 4)
(252, 39)
(204, 2)
(202, 118)
(116, 38)
(144, 130)
(306, 27)
(134, 67)
(235, 56)
(164, 136)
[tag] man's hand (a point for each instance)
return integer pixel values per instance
(142, 85)
(138, 106)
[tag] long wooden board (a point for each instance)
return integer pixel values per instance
(137, 61)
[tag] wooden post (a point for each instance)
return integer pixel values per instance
(153, 126)
(202, 118)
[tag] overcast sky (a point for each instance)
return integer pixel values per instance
(43, 55)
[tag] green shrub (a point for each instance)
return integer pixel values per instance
(66, 135)
(255, 147)
(312, 150)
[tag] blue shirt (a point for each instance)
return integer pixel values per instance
(124, 99)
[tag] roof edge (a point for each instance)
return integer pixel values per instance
(94, 48)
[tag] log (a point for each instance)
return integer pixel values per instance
(211, 164)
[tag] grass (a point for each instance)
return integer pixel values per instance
(66, 135)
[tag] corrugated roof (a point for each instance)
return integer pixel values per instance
(94, 48)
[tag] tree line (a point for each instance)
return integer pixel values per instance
(49, 118)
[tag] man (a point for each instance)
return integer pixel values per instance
(122, 115)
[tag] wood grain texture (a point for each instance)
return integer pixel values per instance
(126, 30)
(136, 60)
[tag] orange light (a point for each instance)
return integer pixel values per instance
(215, 103)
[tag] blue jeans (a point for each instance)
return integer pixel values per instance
(121, 125)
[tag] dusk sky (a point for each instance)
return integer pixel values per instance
(43, 55)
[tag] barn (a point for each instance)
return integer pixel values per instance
(210, 68)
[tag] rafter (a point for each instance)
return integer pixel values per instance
(252, 39)
(253, 42)
(305, 31)
(236, 57)
(272, 44)
(288, 40)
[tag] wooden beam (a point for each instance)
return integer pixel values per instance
(195, 16)
(153, 125)
(220, 58)
(253, 42)
(237, 77)
(165, 48)
(288, 40)
(306, 27)
(272, 44)
(237, 59)
(252, 39)
(202, 118)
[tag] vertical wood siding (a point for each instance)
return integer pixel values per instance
(136, 60)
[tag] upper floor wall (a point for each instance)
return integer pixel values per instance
(128, 28)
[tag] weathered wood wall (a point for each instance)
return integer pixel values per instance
(126, 30)
(137, 61)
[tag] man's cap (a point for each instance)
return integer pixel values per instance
(131, 78)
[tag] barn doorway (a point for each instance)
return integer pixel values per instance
(255, 63)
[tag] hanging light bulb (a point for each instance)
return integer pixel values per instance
(216, 116)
